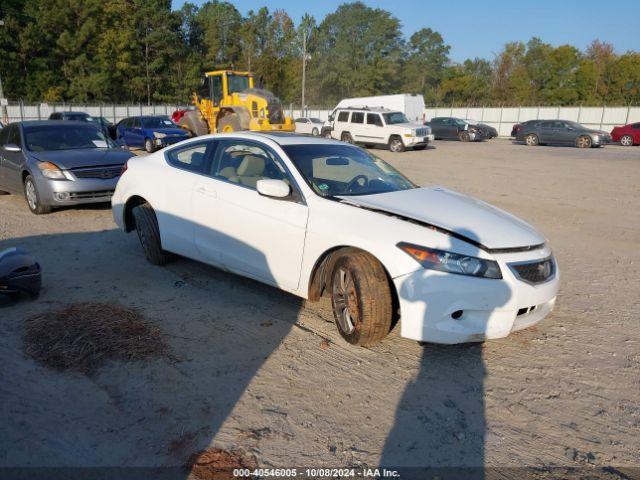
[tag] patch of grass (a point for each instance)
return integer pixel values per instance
(83, 336)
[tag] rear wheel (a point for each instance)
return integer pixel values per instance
(346, 137)
(626, 140)
(149, 234)
(149, 146)
(583, 141)
(33, 197)
(396, 145)
(531, 140)
(361, 299)
(229, 123)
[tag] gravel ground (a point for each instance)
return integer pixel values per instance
(261, 372)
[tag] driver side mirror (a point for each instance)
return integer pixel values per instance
(12, 147)
(273, 188)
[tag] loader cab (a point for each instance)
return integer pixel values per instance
(218, 85)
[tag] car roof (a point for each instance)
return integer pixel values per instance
(281, 138)
(57, 123)
(369, 109)
(73, 113)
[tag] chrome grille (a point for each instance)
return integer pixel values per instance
(535, 272)
(421, 132)
(105, 173)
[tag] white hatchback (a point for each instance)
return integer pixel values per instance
(320, 217)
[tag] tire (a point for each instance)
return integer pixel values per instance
(346, 137)
(626, 141)
(361, 299)
(531, 140)
(583, 141)
(370, 145)
(193, 121)
(327, 133)
(315, 132)
(149, 145)
(229, 123)
(419, 147)
(464, 136)
(32, 197)
(396, 145)
(149, 234)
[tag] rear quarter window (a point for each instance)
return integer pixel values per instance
(192, 157)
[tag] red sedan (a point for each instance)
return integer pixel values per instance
(627, 135)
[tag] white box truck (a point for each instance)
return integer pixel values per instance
(411, 104)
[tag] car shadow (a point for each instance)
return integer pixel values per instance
(220, 328)
(440, 426)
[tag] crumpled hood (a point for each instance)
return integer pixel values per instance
(466, 216)
(84, 157)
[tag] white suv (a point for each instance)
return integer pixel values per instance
(377, 126)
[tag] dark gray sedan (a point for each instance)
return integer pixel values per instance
(561, 132)
(56, 164)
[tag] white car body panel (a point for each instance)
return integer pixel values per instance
(411, 104)
(307, 126)
(280, 242)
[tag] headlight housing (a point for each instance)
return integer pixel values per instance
(452, 262)
(159, 134)
(51, 170)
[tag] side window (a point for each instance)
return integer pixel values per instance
(245, 163)
(192, 157)
(136, 123)
(374, 119)
(343, 116)
(357, 117)
(4, 133)
(636, 126)
(546, 124)
(216, 87)
(301, 120)
(560, 125)
(14, 135)
(55, 116)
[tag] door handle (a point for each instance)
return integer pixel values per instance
(206, 191)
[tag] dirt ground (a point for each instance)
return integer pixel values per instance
(260, 372)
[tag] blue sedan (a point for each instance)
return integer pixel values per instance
(149, 133)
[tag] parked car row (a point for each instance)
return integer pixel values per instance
(567, 132)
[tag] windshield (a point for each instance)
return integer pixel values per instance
(315, 120)
(64, 137)
(345, 170)
(158, 122)
(394, 117)
(237, 83)
(574, 125)
(78, 117)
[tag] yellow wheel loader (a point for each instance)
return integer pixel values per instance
(227, 101)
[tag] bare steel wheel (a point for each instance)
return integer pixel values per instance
(583, 141)
(531, 140)
(361, 298)
(626, 140)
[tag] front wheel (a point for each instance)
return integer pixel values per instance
(327, 133)
(346, 137)
(149, 234)
(531, 140)
(315, 132)
(464, 136)
(626, 141)
(583, 141)
(33, 197)
(361, 299)
(149, 146)
(396, 145)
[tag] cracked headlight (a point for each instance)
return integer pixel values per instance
(452, 262)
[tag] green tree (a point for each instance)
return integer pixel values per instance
(426, 59)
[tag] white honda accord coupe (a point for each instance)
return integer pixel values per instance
(320, 217)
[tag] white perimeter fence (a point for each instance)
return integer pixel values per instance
(502, 118)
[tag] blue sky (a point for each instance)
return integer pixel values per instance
(480, 28)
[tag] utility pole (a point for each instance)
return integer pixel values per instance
(306, 27)
(5, 117)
